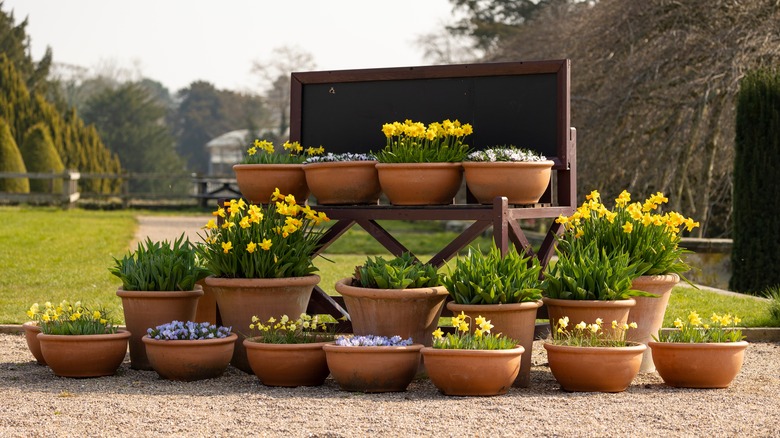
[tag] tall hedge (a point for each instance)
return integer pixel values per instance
(11, 161)
(40, 156)
(755, 253)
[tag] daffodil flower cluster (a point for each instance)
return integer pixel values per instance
(68, 318)
(373, 341)
(414, 142)
(188, 331)
(284, 330)
(467, 337)
(590, 335)
(651, 238)
(509, 153)
(264, 152)
(245, 240)
(720, 328)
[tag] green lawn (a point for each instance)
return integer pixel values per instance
(49, 254)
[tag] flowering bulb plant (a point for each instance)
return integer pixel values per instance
(510, 153)
(334, 158)
(304, 330)
(465, 338)
(414, 142)
(400, 272)
(373, 341)
(591, 335)
(71, 319)
(253, 242)
(720, 328)
(650, 238)
(264, 152)
(188, 331)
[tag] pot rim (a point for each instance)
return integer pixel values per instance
(415, 165)
(689, 345)
(384, 349)
(197, 291)
(367, 292)
(120, 333)
(505, 307)
(544, 163)
(630, 302)
(517, 351)
(635, 347)
(289, 166)
(254, 345)
(354, 163)
(312, 279)
(186, 342)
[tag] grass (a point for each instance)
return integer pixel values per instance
(50, 254)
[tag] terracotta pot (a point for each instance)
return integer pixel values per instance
(31, 330)
(207, 305)
(388, 312)
(472, 372)
(594, 369)
(84, 355)
(702, 365)
(420, 183)
(588, 311)
(238, 299)
(288, 364)
(258, 182)
(343, 182)
(516, 320)
(373, 369)
(148, 309)
(520, 182)
(648, 313)
(190, 360)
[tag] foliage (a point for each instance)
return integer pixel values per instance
(590, 335)
(490, 278)
(252, 242)
(11, 161)
(651, 240)
(188, 331)
(401, 272)
(488, 22)
(71, 319)
(160, 266)
(465, 338)
(263, 152)
(590, 273)
(373, 341)
(413, 142)
(773, 294)
(15, 44)
(721, 328)
(40, 156)
(333, 158)
(506, 153)
(755, 254)
(304, 330)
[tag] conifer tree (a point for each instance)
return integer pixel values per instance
(11, 161)
(40, 155)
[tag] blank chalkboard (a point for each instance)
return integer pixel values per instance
(520, 103)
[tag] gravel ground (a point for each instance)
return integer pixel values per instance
(139, 404)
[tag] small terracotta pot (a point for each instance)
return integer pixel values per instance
(698, 365)
(31, 330)
(84, 355)
(472, 372)
(373, 369)
(420, 183)
(190, 360)
(594, 369)
(588, 311)
(343, 182)
(288, 364)
(648, 313)
(520, 182)
(258, 182)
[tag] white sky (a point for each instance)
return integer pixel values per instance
(179, 41)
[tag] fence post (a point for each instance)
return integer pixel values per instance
(70, 188)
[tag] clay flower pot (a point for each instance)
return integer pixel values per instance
(190, 360)
(472, 372)
(420, 183)
(31, 330)
(373, 369)
(258, 181)
(343, 182)
(287, 364)
(698, 365)
(520, 182)
(84, 355)
(649, 312)
(594, 369)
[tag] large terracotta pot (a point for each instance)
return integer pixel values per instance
(84, 355)
(238, 299)
(516, 321)
(472, 372)
(588, 311)
(594, 369)
(648, 313)
(420, 183)
(698, 365)
(31, 330)
(373, 369)
(207, 305)
(190, 360)
(520, 182)
(258, 181)
(287, 364)
(148, 309)
(388, 312)
(343, 182)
